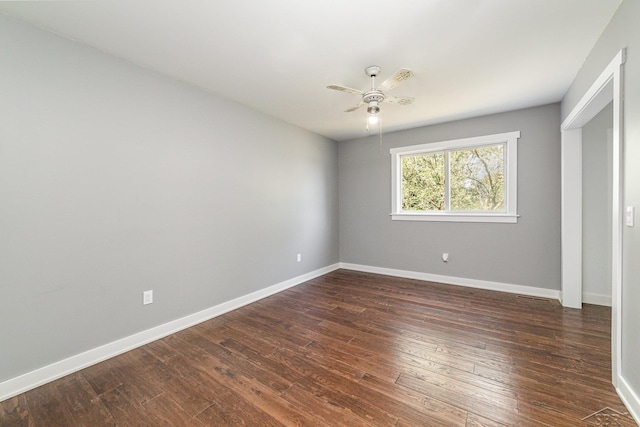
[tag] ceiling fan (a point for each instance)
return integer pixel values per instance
(375, 96)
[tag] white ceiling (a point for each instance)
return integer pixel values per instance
(469, 57)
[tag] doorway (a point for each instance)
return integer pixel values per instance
(606, 89)
(597, 186)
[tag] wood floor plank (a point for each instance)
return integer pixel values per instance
(553, 390)
(83, 403)
(271, 403)
(14, 412)
(413, 408)
(323, 381)
(47, 408)
(350, 349)
(122, 407)
(127, 369)
(164, 411)
(182, 391)
(241, 366)
(322, 407)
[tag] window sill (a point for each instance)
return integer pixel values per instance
(455, 217)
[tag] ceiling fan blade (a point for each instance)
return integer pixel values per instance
(345, 89)
(400, 100)
(393, 81)
(355, 107)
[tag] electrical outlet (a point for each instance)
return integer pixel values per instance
(147, 297)
(299, 257)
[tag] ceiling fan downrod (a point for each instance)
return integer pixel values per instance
(373, 97)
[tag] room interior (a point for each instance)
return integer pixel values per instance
(195, 151)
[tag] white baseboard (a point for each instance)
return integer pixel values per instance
(629, 398)
(596, 299)
(38, 377)
(459, 281)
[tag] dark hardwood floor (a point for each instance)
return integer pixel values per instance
(353, 349)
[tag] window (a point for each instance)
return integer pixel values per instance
(472, 180)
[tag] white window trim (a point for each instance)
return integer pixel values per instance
(510, 215)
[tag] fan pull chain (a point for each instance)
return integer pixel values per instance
(380, 130)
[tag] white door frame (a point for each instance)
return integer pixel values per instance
(607, 87)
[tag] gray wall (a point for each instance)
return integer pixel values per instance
(597, 158)
(623, 30)
(526, 253)
(115, 180)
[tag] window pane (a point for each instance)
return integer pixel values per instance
(423, 182)
(477, 179)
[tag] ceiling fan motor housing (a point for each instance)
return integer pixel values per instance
(373, 96)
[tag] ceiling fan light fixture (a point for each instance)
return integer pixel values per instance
(373, 109)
